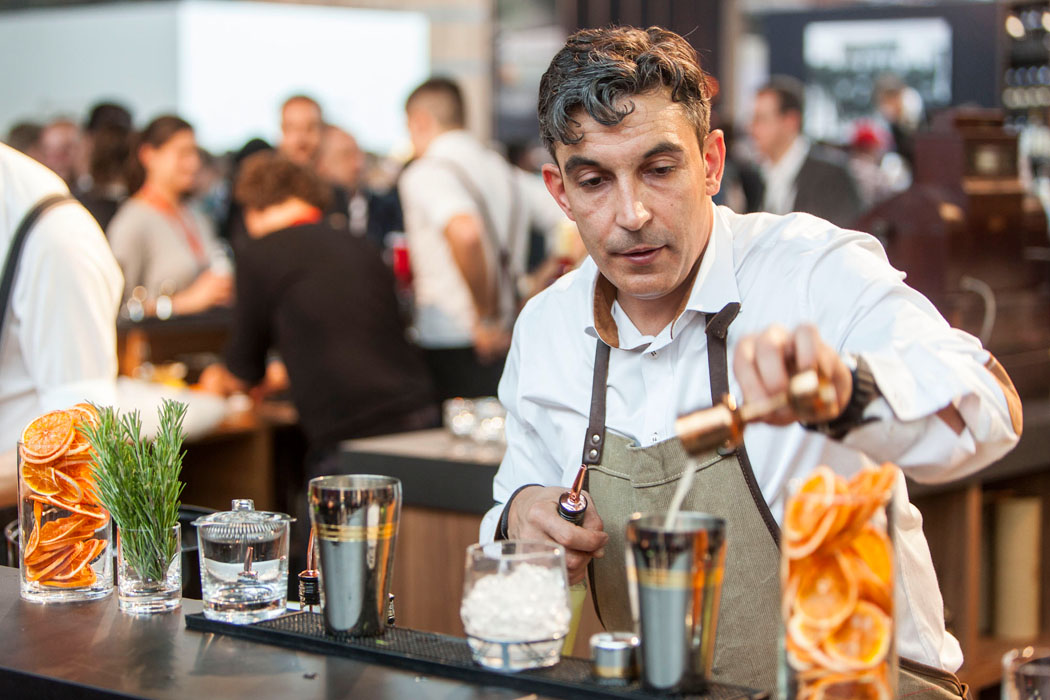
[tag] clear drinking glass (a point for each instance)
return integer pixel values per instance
(64, 533)
(837, 586)
(243, 563)
(515, 606)
(489, 419)
(459, 418)
(149, 570)
(1026, 674)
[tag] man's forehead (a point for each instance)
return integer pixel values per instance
(653, 118)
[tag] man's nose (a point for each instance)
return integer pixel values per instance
(631, 212)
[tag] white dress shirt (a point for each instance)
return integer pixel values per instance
(780, 178)
(787, 270)
(59, 344)
(431, 195)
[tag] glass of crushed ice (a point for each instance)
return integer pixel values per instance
(516, 604)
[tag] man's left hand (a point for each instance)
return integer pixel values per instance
(764, 363)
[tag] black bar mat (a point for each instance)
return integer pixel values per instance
(442, 655)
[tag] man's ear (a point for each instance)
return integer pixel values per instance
(552, 178)
(714, 161)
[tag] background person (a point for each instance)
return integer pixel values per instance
(161, 243)
(798, 175)
(58, 345)
(467, 215)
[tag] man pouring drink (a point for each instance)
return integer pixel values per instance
(682, 302)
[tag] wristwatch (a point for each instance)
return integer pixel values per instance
(864, 392)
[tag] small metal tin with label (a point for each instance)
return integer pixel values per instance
(614, 656)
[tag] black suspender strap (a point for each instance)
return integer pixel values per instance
(14, 251)
(595, 438)
(505, 275)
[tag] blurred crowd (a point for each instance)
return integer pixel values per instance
(425, 262)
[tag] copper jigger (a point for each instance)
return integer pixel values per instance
(810, 395)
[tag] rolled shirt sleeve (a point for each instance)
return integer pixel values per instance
(920, 364)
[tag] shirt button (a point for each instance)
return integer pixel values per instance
(656, 437)
(653, 354)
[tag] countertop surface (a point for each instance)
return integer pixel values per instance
(92, 650)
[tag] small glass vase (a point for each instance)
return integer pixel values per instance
(837, 585)
(149, 570)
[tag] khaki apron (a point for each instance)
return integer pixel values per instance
(624, 478)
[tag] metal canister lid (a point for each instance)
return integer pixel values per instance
(614, 655)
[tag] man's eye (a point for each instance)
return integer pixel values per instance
(662, 170)
(590, 182)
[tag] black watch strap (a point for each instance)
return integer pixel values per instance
(501, 529)
(865, 390)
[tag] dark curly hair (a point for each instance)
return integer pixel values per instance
(268, 178)
(598, 68)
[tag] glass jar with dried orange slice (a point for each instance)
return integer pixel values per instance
(837, 585)
(64, 533)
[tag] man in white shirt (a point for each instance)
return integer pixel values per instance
(58, 345)
(467, 215)
(799, 176)
(682, 301)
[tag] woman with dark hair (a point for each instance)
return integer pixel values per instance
(162, 245)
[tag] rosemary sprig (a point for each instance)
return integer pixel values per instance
(138, 482)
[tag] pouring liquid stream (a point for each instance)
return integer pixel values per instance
(680, 492)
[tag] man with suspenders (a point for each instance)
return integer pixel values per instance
(59, 296)
(682, 302)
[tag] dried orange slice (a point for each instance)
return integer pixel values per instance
(69, 488)
(92, 511)
(40, 479)
(84, 553)
(30, 458)
(58, 530)
(810, 515)
(863, 640)
(871, 554)
(808, 641)
(86, 577)
(40, 571)
(48, 435)
(827, 592)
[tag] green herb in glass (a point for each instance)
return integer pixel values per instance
(138, 482)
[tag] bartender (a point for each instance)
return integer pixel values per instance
(681, 302)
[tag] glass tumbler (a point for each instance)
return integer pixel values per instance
(515, 606)
(837, 586)
(1026, 674)
(64, 533)
(149, 570)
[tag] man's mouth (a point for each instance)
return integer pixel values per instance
(641, 255)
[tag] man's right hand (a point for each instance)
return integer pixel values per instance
(534, 516)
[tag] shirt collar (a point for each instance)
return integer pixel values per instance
(714, 286)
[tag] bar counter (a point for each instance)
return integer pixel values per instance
(92, 651)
